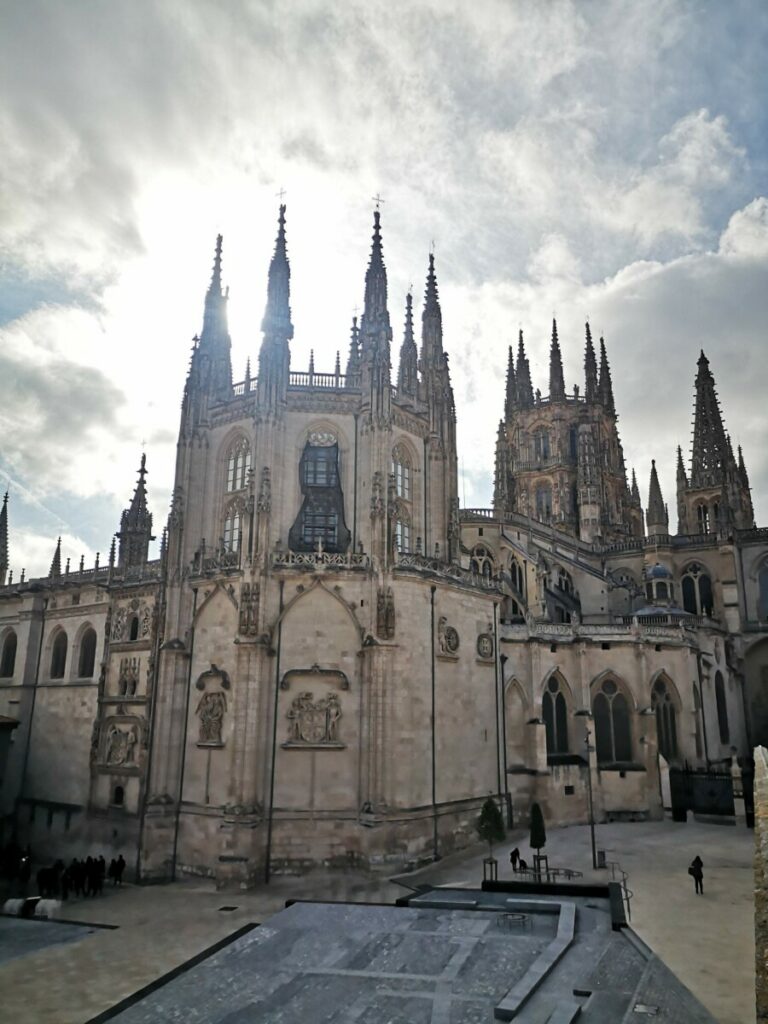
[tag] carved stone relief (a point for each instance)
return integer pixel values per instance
(119, 624)
(314, 723)
(249, 609)
(264, 503)
(447, 637)
(211, 707)
(120, 744)
(485, 645)
(377, 497)
(385, 614)
(128, 680)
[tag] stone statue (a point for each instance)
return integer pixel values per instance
(211, 710)
(119, 623)
(264, 503)
(385, 614)
(314, 722)
(377, 499)
(249, 609)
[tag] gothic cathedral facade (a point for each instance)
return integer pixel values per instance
(332, 662)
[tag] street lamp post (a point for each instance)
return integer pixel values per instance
(587, 715)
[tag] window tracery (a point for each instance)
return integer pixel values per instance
(238, 465)
(482, 562)
(666, 723)
(554, 710)
(613, 731)
(232, 535)
(59, 655)
(697, 591)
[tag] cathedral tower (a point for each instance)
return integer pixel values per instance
(135, 526)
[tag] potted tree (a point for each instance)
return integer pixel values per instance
(490, 828)
(538, 841)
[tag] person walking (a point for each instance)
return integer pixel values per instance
(696, 870)
(119, 869)
(514, 857)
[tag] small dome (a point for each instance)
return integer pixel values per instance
(659, 572)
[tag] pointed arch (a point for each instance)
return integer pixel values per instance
(513, 684)
(58, 646)
(612, 707)
(84, 652)
(318, 583)
(666, 704)
(235, 457)
(8, 648)
(556, 710)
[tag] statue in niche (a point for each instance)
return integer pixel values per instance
(146, 620)
(314, 722)
(249, 609)
(377, 500)
(211, 710)
(120, 746)
(385, 614)
(129, 677)
(264, 503)
(119, 624)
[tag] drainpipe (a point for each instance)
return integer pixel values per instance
(32, 709)
(499, 777)
(503, 660)
(701, 708)
(435, 852)
(354, 495)
(184, 736)
(268, 854)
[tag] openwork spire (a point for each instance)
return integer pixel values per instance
(742, 473)
(55, 571)
(605, 385)
(136, 525)
(375, 317)
(524, 386)
(657, 511)
(510, 400)
(710, 445)
(635, 490)
(210, 375)
(682, 477)
(590, 368)
(214, 315)
(407, 377)
(277, 315)
(556, 381)
(4, 540)
(353, 360)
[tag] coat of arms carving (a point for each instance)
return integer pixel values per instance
(314, 723)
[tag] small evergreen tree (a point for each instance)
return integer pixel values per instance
(490, 824)
(538, 832)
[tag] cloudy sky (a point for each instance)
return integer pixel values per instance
(601, 159)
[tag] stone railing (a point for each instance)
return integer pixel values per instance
(239, 388)
(671, 629)
(758, 535)
(103, 574)
(319, 560)
(448, 570)
(316, 380)
(208, 562)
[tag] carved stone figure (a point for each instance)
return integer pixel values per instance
(146, 620)
(249, 609)
(119, 624)
(264, 503)
(120, 746)
(377, 497)
(314, 722)
(447, 637)
(211, 710)
(385, 614)
(129, 677)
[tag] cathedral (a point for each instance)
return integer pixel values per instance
(332, 662)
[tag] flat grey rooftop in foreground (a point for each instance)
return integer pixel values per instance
(451, 957)
(19, 936)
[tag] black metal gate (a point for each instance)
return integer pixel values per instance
(701, 791)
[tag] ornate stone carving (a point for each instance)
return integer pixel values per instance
(176, 515)
(120, 746)
(385, 614)
(128, 679)
(119, 624)
(145, 621)
(249, 609)
(447, 637)
(485, 645)
(264, 503)
(314, 723)
(377, 496)
(211, 710)
(322, 439)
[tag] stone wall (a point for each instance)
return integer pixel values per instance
(761, 882)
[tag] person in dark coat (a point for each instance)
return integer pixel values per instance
(514, 857)
(119, 869)
(696, 870)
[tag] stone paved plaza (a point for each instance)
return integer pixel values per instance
(707, 941)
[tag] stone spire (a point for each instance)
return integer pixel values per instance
(742, 473)
(605, 385)
(510, 400)
(656, 517)
(710, 445)
(55, 571)
(136, 526)
(353, 360)
(436, 378)
(375, 329)
(407, 377)
(214, 350)
(276, 327)
(635, 491)
(524, 386)
(431, 322)
(4, 540)
(590, 368)
(556, 381)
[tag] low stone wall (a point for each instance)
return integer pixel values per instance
(761, 882)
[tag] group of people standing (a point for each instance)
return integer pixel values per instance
(85, 877)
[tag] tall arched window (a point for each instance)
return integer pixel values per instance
(666, 726)
(697, 591)
(59, 655)
(762, 585)
(564, 581)
(233, 527)
(516, 572)
(401, 471)
(543, 503)
(133, 629)
(540, 445)
(613, 732)
(8, 657)
(702, 518)
(554, 710)
(238, 465)
(402, 529)
(482, 562)
(722, 709)
(87, 661)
